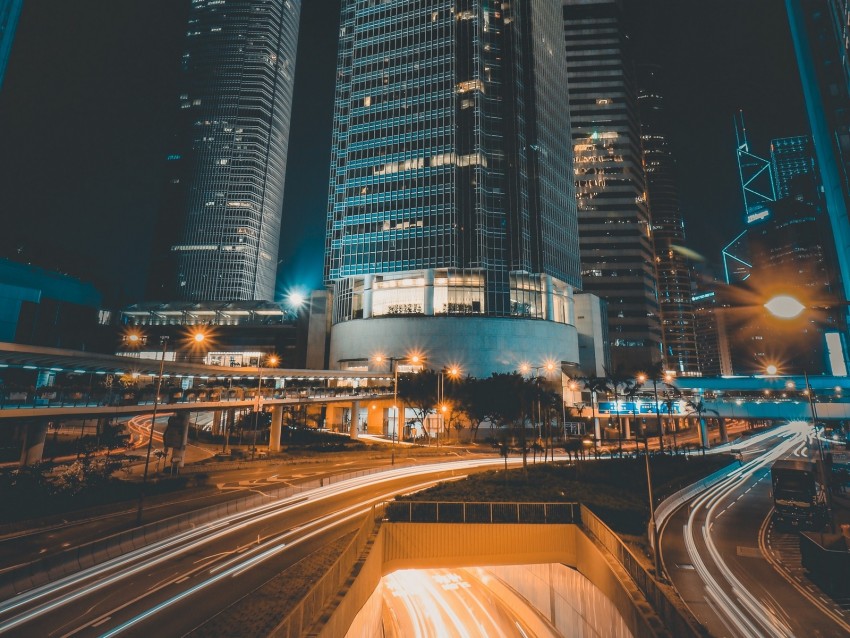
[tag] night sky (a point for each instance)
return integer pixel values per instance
(89, 101)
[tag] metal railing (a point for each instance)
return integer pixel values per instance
(678, 622)
(459, 512)
(307, 611)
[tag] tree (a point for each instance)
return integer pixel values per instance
(473, 398)
(419, 391)
(670, 396)
(594, 384)
(616, 382)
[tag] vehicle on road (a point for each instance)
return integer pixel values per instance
(799, 496)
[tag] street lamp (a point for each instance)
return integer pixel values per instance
(642, 378)
(415, 359)
(453, 372)
(164, 341)
(549, 366)
(271, 362)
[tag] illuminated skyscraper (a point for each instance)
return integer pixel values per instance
(451, 218)
(793, 163)
(668, 228)
(615, 231)
(222, 222)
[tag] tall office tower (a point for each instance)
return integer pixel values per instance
(819, 29)
(668, 227)
(451, 220)
(617, 256)
(793, 163)
(715, 357)
(10, 11)
(225, 195)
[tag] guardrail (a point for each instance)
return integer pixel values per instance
(672, 502)
(677, 621)
(472, 512)
(304, 614)
(54, 567)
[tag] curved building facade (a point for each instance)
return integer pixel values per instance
(451, 194)
(238, 75)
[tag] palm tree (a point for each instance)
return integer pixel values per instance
(699, 408)
(671, 395)
(593, 384)
(617, 381)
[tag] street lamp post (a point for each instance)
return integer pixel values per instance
(549, 366)
(653, 528)
(164, 341)
(271, 362)
(415, 359)
(822, 464)
(453, 372)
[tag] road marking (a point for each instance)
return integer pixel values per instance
(101, 621)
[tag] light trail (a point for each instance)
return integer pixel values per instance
(748, 615)
(111, 572)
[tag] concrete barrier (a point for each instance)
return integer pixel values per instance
(423, 545)
(672, 502)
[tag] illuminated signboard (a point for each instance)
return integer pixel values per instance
(626, 408)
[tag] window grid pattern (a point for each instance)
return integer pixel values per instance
(434, 105)
(617, 255)
(239, 68)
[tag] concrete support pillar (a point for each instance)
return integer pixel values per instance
(274, 433)
(368, 280)
(627, 427)
(177, 431)
(355, 419)
(597, 429)
(216, 423)
(34, 435)
(724, 435)
(428, 305)
(703, 434)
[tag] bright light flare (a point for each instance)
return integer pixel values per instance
(784, 307)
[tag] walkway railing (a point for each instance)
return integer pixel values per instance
(458, 512)
(307, 610)
(677, 621)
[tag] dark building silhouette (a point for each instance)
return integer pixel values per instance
(668, 227)
(615, 228)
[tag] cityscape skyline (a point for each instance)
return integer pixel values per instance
(300, 257)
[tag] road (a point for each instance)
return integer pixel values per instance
(713, 552)
(422, 603)
(175, 585)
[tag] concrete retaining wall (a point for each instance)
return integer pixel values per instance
(422, 545)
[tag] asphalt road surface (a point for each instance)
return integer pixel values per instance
(713, 551)
(173, 586)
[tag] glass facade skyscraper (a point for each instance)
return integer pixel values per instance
(450, 190)
(228, 165)
(615, 228)
(675, 289)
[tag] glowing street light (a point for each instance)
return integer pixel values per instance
(784, 307)
(771, 370)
